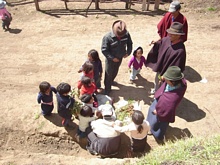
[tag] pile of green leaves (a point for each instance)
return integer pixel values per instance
(125, 111)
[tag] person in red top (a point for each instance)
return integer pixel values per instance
(173, 15)
(86, 85)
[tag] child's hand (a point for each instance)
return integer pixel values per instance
(129, 69)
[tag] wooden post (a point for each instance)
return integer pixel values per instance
(148, 4)
(37, 5)
(144, 5)
(96, 4)
(157, 3)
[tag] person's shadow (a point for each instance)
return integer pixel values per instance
(15, 31)
(173, 134)
(189, 111)
(192, 75)
(55, 119)
(138, 91)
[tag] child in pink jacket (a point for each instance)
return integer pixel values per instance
(5, 16)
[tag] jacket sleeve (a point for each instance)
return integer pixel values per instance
(131, 62)
(106, 48)
(129, 44)
(54, 90)
(39, 98)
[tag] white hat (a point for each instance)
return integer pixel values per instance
(174, 6)
(2, 4)
(106, 110)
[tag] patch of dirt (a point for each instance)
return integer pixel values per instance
(52, 45)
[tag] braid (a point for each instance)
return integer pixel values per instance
(140, 129)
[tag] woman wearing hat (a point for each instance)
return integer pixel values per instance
(102, 138)
(167, 98)
(5, 16)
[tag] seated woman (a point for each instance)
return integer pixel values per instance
(102, 138)
(167, 97)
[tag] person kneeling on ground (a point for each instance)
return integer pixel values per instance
(102, 137)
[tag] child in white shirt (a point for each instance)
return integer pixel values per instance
(138, 131)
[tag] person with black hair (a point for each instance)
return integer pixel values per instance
(138, 129)
(136, 62)
(45, 98)
(93, 58)
(64, 103)
(87, 99)
(86, 115)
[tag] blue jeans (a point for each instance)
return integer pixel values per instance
(81, 133)
(158, 129)
(134, 73)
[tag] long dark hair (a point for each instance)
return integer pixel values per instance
(94, 54)
(138, 118)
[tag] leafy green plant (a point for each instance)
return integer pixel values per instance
(211, 9)
(77, 105)
(125, 112)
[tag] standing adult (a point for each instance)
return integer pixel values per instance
(169, 51)
(173, 15)
(167, 97)
(116, 45)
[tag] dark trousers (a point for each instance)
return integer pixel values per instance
(111, 71)
(138, 145)
(46, 109)
(158, 129)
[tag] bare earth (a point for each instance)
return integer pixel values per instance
(52, 46)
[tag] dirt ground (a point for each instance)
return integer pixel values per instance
(51, 45)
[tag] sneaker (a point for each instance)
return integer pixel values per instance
(152, 92)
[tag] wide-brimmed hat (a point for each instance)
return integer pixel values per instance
(174, 6)
(2, 4)
(119, 28)
(176, 28)
(173, 73)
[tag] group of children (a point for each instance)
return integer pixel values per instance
(88, 86)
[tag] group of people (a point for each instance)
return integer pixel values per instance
(98, 123)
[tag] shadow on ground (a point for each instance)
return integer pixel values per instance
(189, 111)
(138, 91)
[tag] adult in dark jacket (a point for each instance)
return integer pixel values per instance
(116, 45)
(170, 51)
(167, 97)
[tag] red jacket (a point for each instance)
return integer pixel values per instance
(166, 22)
(86, 90)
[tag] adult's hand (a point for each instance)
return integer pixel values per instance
(154, 112)
(115, 60)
